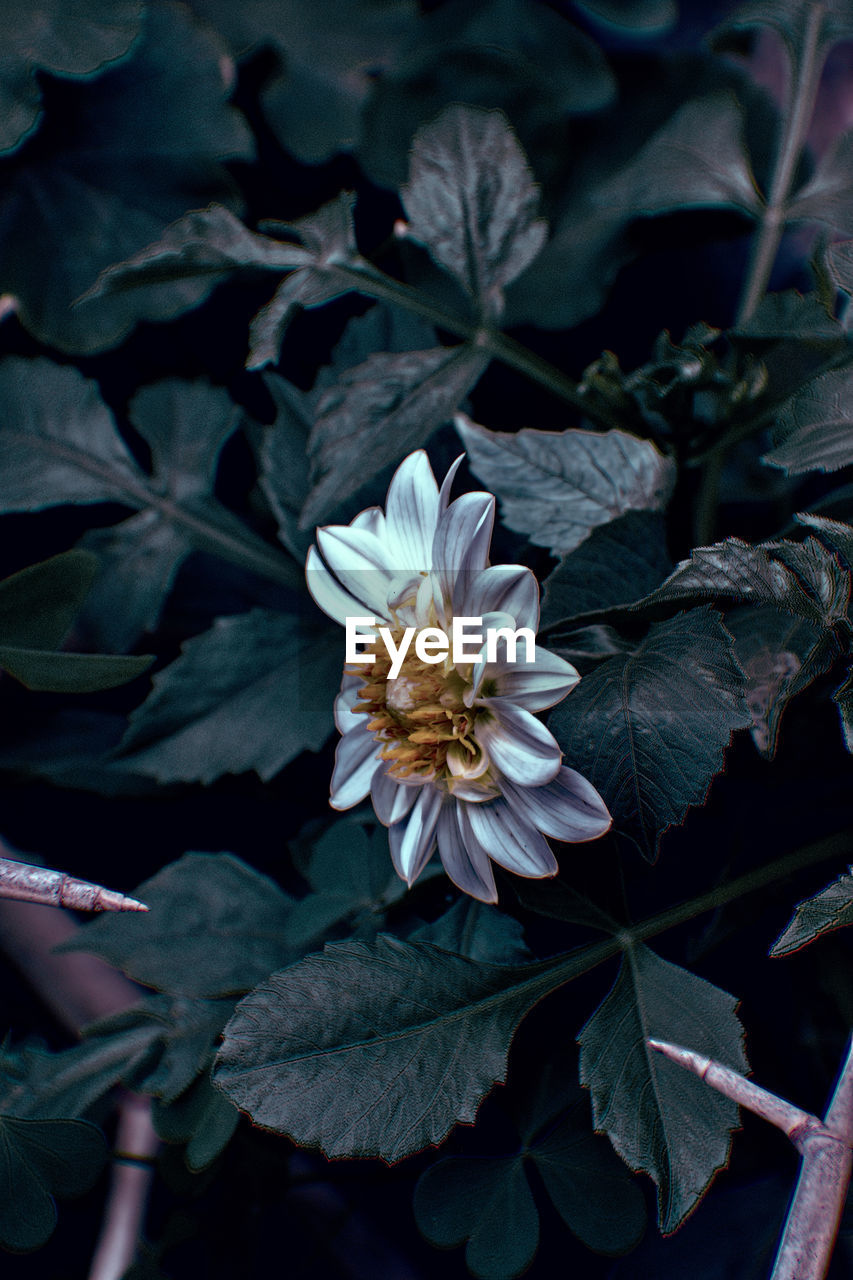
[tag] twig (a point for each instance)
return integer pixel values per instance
(826, 1147)
(130, 1183)
(37, 884)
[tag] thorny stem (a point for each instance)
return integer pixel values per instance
(25, 883)
(79, 989)
(376, 284)
(805, 1248)
(805, 79)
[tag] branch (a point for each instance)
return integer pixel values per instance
(130, 1182)
(825, 1145)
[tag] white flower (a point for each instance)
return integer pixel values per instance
(452, 756)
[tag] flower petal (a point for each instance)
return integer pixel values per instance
(463, 857)
(391, 800)
(328, 593)
(461, 545)
(345, 718)
(356, 761)
(538, 684)
(411, 511)
(511, 842)
(503, 588)
(362, 564)
(447, 483)
(568, 808)
(518, 743)
(372, 519)
(412, 841)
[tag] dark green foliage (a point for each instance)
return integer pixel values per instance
(815, 431)
(619, 562)
(619, 729)
(556, 487)
(659, 1117)
(202, 897)
(832, 908)
(42, 1159)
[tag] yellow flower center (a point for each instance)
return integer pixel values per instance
(421, 719)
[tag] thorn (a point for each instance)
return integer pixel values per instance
(784, 1115)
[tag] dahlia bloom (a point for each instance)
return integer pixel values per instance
(451, 753)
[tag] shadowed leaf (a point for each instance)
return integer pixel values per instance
(41, 1159)
(814, 431)
(832, 908)
(660, 1118)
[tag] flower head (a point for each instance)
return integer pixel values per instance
(450, 752)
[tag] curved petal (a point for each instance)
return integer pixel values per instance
(568, 808)
(518, 743)
(461, 545)
(463, 857)
(356, 761)
(345, 718)
(538, 684)
(328, 593)
(510, 841)
(372, 519)
(362, 564)
(447, 483)
(412, 841)
(391, 800)
(503, 588)
(411, 511)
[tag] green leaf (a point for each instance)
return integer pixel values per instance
(486, 1202)
(634, 15)
(186, 1033)
(162, 114)
(832, 908)
(814, 430)
(69, 42)
(39, 604)
(835, 533)
(214, 927)
(70, 672)
(780, 655)
(828, 195)
(804, 579)
(42, 1159)
(58, 441)
(843, 699)
(839, 263)
(792, 315)
(472, 201)
(420, 1038)
(649, 728)
(489, 1201)
(202, 1118)
(185, 425)
(620, 561)
(659, 1117)
(378, 412)
(529, 60)
(329, 54)
(696, 160)
(251, 693)
(557, 486)
(209, 244)
(353, 881)
(476, 930)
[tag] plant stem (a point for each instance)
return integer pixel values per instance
(805, 79)
(136, 1144)
(368, 280)
(826, 1145)
(25, 883)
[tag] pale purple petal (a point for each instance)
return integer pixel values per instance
(463, 857)
(411, 511)
(356, 761)
(328, 593)
(447, 483)
(372, 519)
(503, 588)
(461, 544)
(535, 685)
(510, 841)
(412, 841)
(362, 564)
(345, 718)
(568, 808)
(519, 744)
(391, 800)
